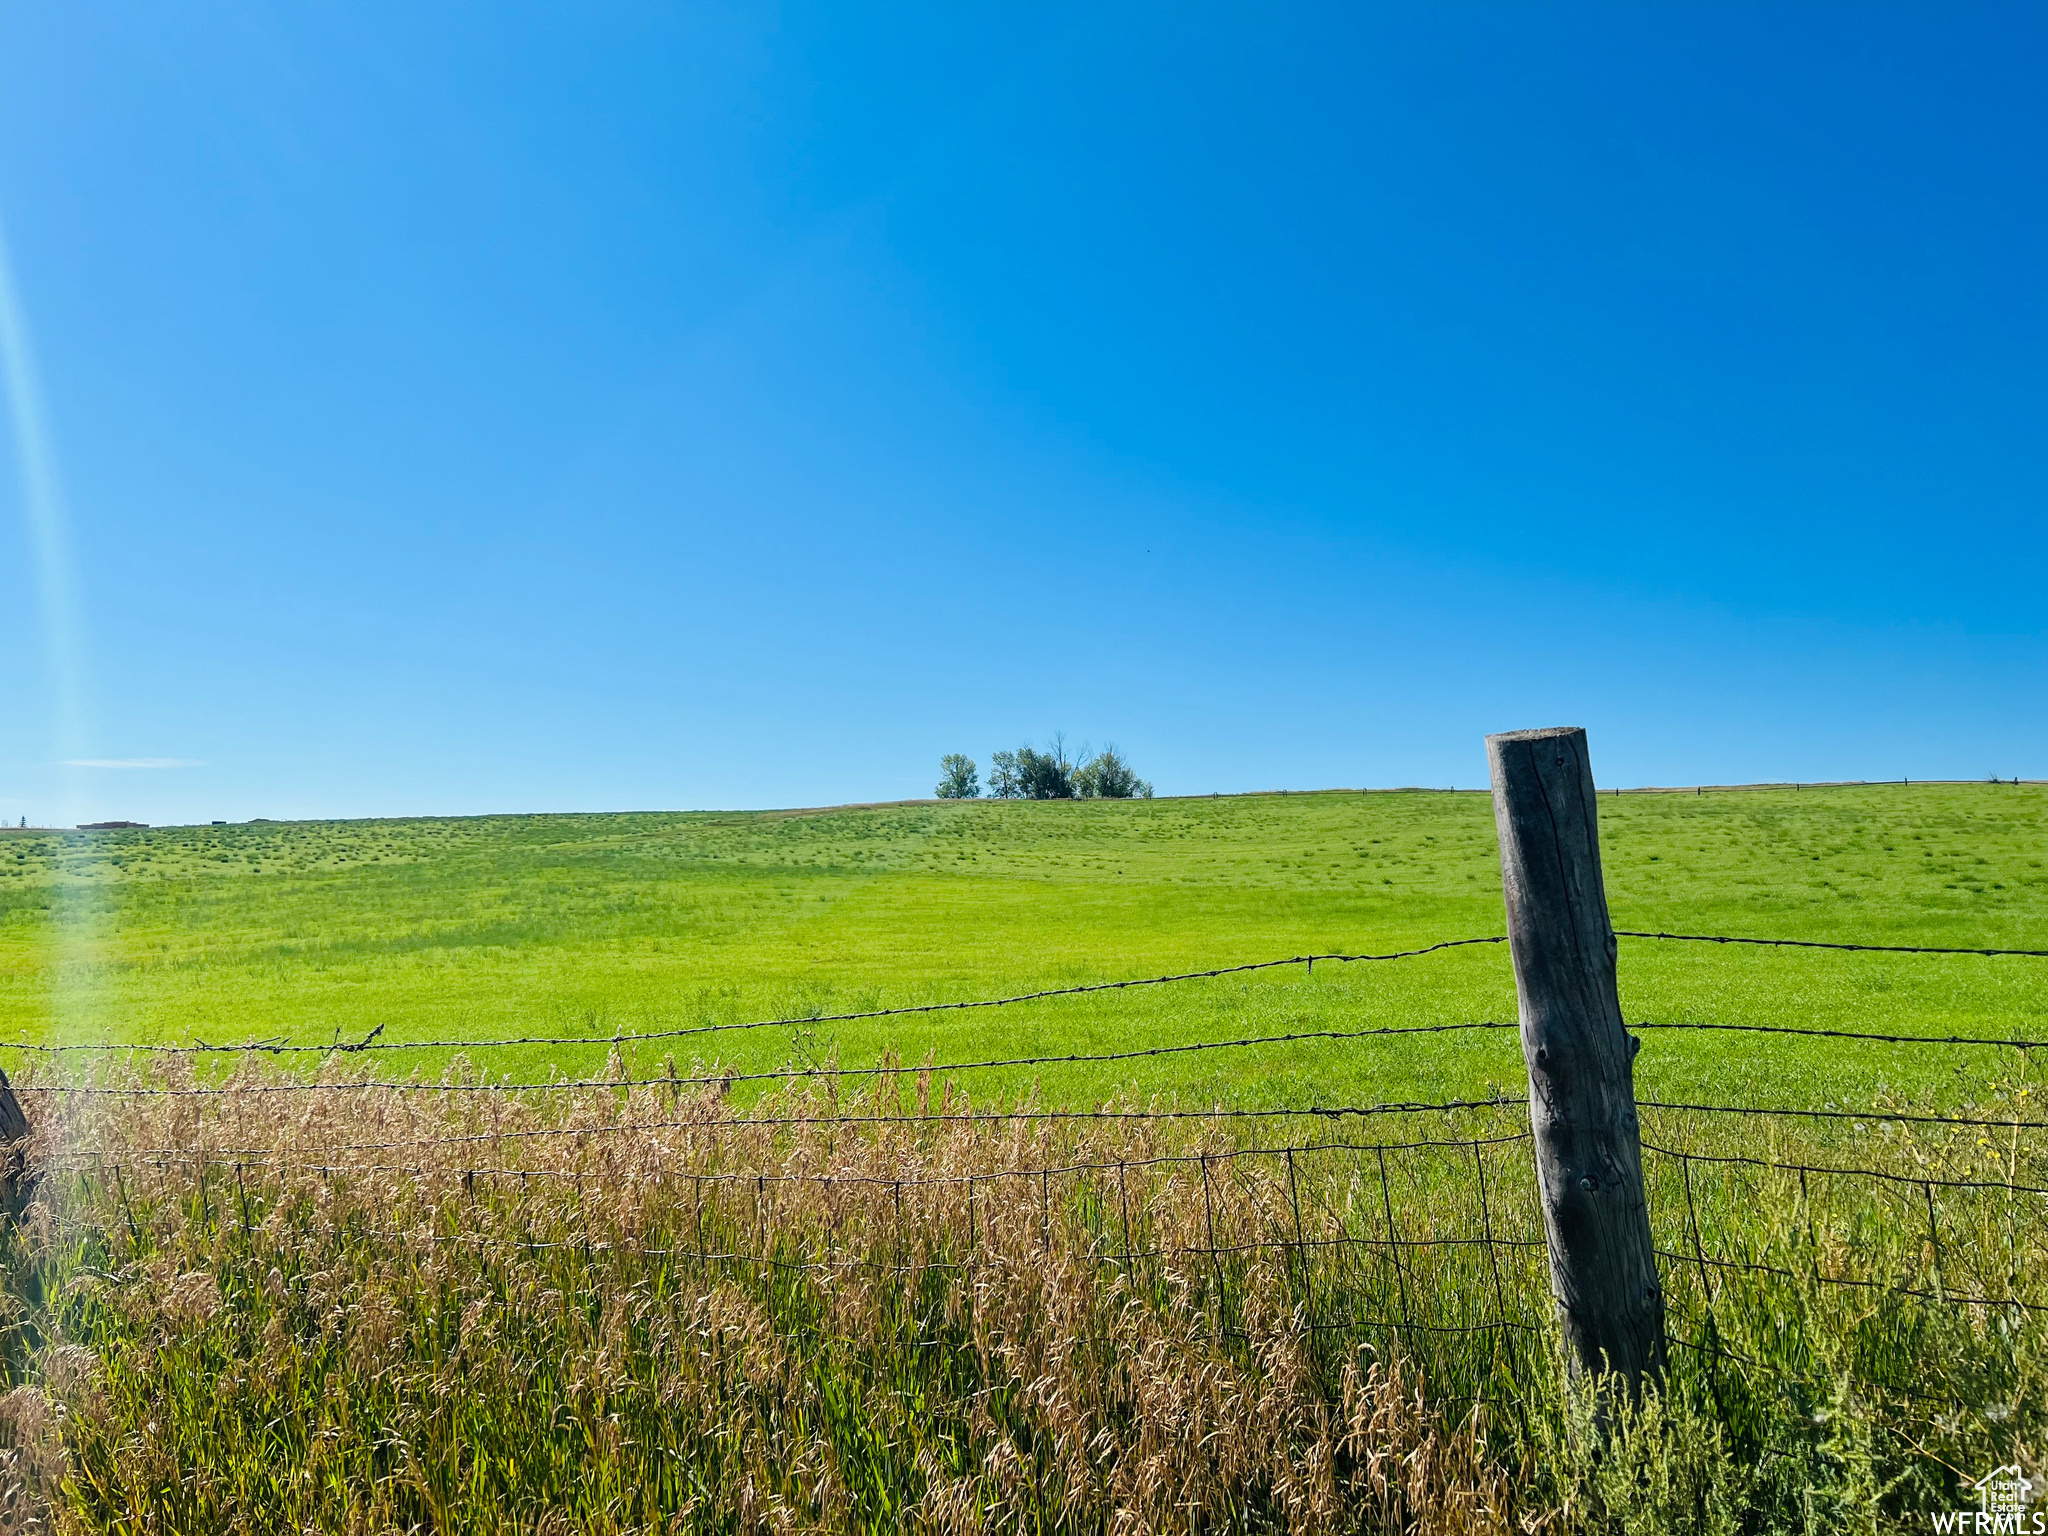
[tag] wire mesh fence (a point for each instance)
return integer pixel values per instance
(1410, 1227)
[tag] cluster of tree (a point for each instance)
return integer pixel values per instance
(1029, 774)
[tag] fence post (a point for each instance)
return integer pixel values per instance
(1582, 1109)
(17, 1182)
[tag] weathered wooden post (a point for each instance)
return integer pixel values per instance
(1582, 1108)
(17, 1183)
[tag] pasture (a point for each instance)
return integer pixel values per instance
(569, 926)
(359, 1292)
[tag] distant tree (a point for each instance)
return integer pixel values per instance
(1047, 775)
(1004, 782)
(1043, 776)
(1030, 773)
(958, 778)
(1108, 777)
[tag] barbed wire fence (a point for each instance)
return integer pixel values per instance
(1431, 1236)
(1434, 1237)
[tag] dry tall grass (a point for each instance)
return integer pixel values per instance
(248, 1306)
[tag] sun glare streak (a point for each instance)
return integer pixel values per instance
(43, 506)
(78, 916)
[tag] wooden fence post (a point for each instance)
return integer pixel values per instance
(1582, 1109)
(17, 1183)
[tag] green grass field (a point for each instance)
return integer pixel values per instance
(591, 925)
(381, 1309)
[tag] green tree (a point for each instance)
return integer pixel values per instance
(1108, 777)
(1047, 775)
(958, 777)
(1030, 773)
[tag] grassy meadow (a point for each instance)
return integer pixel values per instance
(254, 1305)
(596, 925)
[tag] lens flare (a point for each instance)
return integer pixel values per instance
(79, 916)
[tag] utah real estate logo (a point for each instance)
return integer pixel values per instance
(2004, 1494)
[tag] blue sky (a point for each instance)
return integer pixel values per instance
(519, 407)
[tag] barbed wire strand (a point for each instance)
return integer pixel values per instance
(373, 1043)
(1915, 1179)
(152, 1157)
(1852, 1034)
(898, 1269)
(278, 1048)
(703, 1079)
(1884, 949)
(615, 1127)
(1777, 1271)
(780, 1073)
(2008, 1124)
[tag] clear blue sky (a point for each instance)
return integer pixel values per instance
(534, 407)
